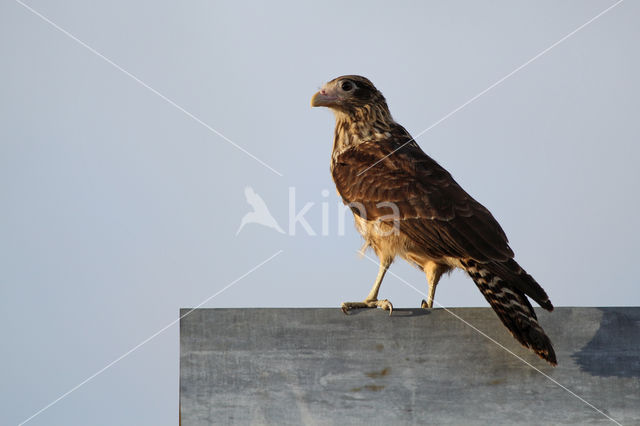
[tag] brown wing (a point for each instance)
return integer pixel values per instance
(435, 212)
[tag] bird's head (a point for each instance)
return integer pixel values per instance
(349, 95)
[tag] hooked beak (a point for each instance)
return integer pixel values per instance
(323, 98)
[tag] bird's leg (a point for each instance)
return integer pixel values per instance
(372, 299)
(432, 292)
(433, 271)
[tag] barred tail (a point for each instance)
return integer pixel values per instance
(511, 305)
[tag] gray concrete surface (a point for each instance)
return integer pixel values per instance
(319, 366)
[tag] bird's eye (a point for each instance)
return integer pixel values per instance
(346, 85)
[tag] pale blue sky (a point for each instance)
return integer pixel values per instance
(118, 209)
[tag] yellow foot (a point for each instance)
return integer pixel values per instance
(426, 305)
(384, 304)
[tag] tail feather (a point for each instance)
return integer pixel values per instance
(513, 273)
(511, 305)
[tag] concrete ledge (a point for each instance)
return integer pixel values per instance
(319, 366)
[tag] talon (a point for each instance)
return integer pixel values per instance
(424, 305)
(386, 305)
(345, 309)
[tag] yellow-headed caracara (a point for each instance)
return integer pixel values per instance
(405, 204)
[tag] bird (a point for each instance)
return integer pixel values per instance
(260, 214)
(407, 205)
